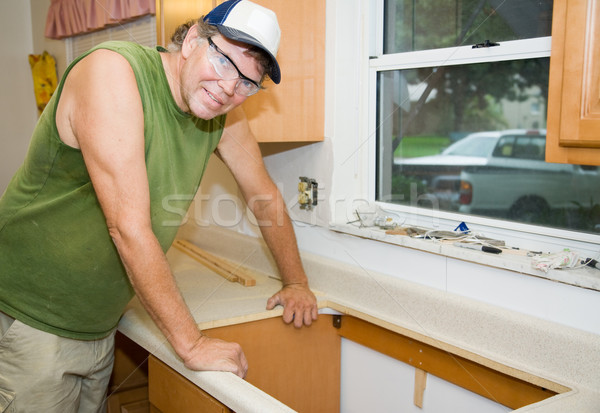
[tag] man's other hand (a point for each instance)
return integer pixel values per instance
(299, 304)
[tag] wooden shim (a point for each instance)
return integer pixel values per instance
(420, 384)
(228, 270)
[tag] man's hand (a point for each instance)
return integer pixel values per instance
(217, 355)
(299, 304)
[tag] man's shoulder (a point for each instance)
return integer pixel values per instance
(122, 45)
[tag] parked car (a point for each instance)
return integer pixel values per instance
(518, 184)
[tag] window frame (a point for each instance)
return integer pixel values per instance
(354, 177)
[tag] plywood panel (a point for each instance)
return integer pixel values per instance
(299, 367)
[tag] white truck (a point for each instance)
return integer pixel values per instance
(516, 183)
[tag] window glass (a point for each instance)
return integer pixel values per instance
(470, 138)
(431, 24)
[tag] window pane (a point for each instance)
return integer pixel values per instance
(471, 138)
(430, 24)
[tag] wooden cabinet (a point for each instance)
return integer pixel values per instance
(128, 386)
(172, 13)
(294, 110)
(574, 88)
(172, 393)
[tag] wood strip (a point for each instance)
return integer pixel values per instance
(420, 384)
(244, 274)
(228, 270)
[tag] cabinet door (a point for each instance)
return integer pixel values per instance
(172, 393)
(294, 110)
(171, 13)
(574, 88)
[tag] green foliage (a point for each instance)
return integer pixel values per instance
(413, 146)
(404, 188)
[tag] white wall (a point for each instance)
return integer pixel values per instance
(18, 112)
(22, 25)
(39, 10)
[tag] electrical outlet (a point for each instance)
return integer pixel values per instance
(307, 193)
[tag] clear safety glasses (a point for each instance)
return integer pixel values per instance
(227, 70)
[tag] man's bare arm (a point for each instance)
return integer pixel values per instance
(240, 152)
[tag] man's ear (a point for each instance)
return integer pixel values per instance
(190, 42)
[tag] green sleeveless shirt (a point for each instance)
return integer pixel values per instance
(59, 269)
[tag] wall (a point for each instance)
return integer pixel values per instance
(18, 112)
(22, 25)
(39, 10)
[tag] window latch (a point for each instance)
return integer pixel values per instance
(487, 43)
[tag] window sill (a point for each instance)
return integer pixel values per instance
(509, 259)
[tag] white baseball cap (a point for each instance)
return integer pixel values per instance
(250, 23)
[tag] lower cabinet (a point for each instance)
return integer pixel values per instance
(171, 392)
(128, 386)
(129, 401)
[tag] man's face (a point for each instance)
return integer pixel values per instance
(204, 93)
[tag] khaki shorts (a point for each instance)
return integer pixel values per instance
(41, 372)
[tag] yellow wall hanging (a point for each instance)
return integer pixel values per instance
(43, 70)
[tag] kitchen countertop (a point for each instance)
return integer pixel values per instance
(522, 345)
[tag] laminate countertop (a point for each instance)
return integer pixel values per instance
(519, 344)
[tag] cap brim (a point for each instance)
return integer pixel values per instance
(237, 35)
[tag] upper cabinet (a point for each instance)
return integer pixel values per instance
(172, 13)
(574, 88)
(294, 110)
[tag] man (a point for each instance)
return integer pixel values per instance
(81, 221)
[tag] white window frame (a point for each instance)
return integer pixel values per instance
(353, 35)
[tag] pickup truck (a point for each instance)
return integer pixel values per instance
(516, 183)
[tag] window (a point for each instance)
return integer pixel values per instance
(142, 31)
(461, 95)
